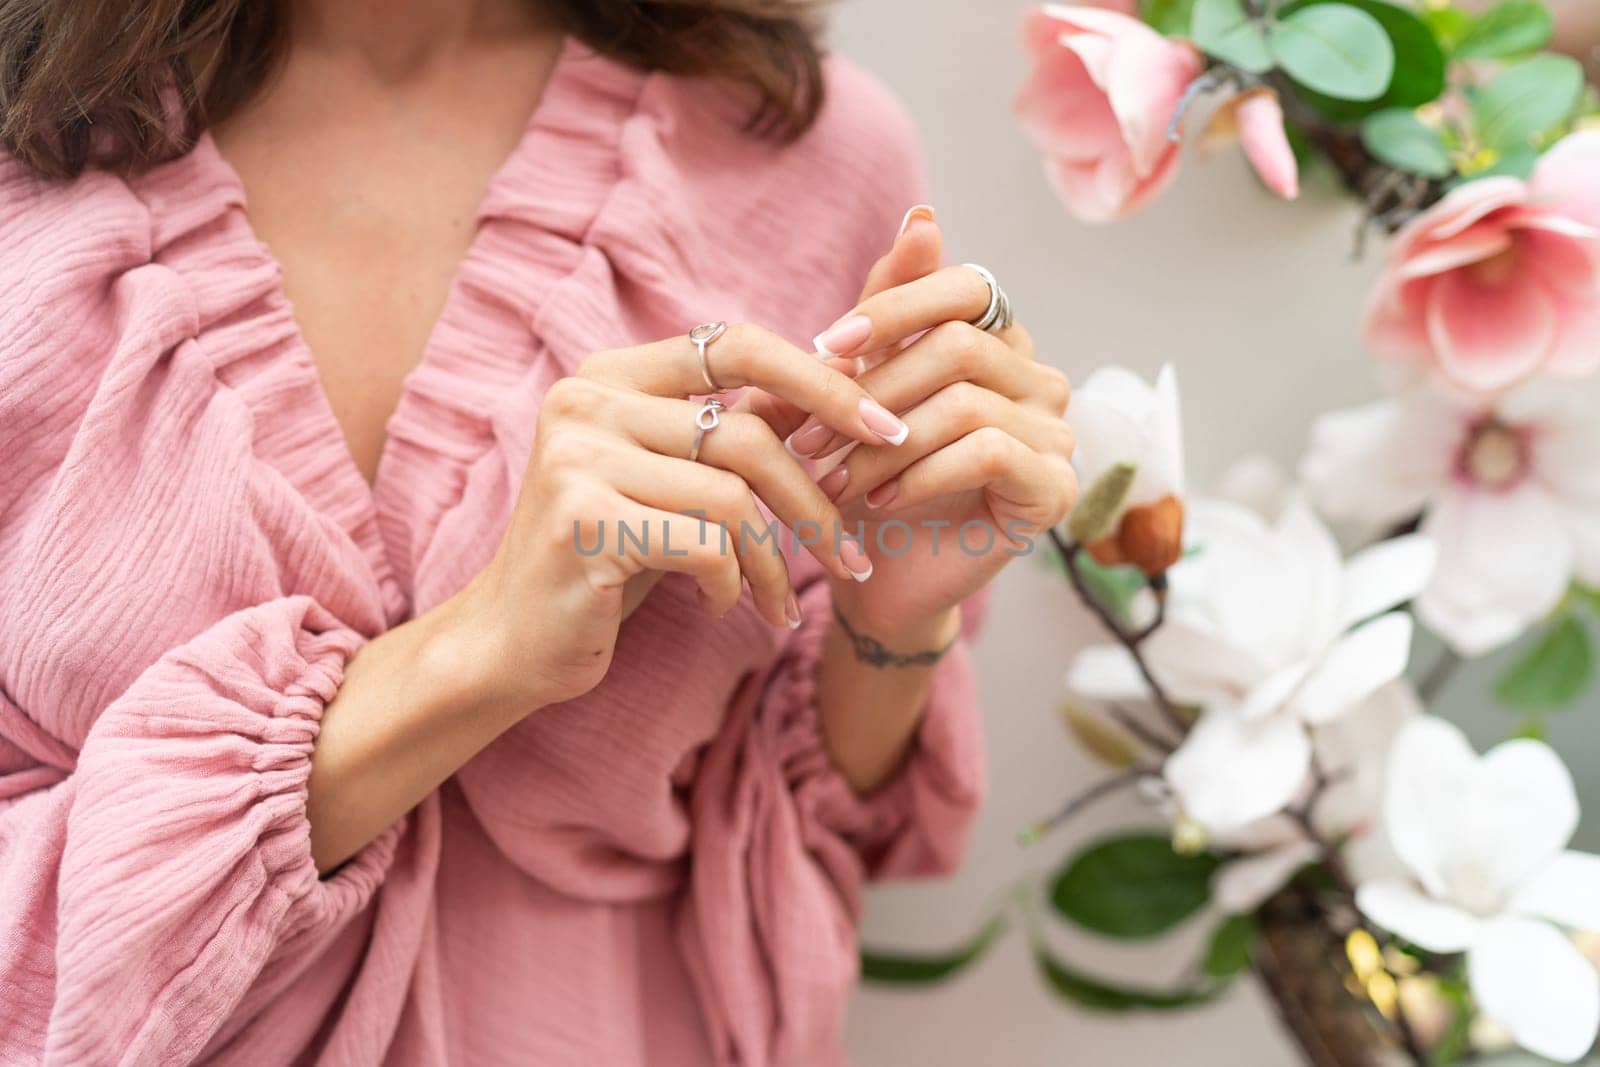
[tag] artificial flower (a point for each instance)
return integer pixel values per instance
(1255, 119)
(1500, 280)
(1124, 425)
(1510, 492)
(1269, 632)
(1351, 752)
(1484, 843)
(1104, 89)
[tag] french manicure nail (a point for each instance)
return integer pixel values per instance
(881, 495)
(843, 337)
(881, 421)
(808, 438)
(920, 211)
(833, 483)
(855, 560)
(791, 611)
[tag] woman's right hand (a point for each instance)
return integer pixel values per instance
(611, 452)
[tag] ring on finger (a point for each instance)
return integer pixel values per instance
(705, 420)
(702, 336)
(997, 316)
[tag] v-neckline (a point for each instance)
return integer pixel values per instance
(373, 492)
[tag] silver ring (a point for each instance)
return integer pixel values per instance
(997, 316)
(705, 420)
(702, 336)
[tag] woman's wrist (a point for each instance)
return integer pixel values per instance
(895, 641)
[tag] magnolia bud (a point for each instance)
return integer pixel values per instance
(1151, 536)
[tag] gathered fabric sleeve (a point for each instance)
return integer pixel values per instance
(147, 890)
(783, 845)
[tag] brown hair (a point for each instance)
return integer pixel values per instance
(127, 83)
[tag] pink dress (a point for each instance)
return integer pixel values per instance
(666, 871)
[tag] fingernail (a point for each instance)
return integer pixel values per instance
(884, 493)
(844, 336)
(791, 611)
(808, 438)
(855, 560)
(920, 211)
(881, 421)
(833, 483)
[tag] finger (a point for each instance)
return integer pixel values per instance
(639, 538)
(947, 416)
(748, 355)
(953, 293)
(918, 249)
(733, 521)
(1028, 491)
(950, 352)
(745, 446)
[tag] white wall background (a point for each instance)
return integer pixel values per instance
(1256, 301)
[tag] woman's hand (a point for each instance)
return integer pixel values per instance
(605, 496)
(984, 468)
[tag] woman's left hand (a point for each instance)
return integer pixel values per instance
(983, 471)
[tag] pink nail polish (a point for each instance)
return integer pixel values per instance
(855, 560)
(881, 421)
(881, 495)
(920, 211)
(808, 438)
(833, 483)
(791, 612)
(844, 336)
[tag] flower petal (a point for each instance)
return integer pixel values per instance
(1106, 672)
(1240, 886)
(1566, 890)
(1471, 829)
(1367, 658)
(1380, 463)
(1505, 560)
(1229, 773)
(1261, 135)
(1400, 909)
(1567, 178)
(1531, 980)
(1488, 336)
(1147, 76)
(1389, 573)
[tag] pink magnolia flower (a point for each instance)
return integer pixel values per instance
(1510, 492)
(1500, 280)
(1103, 90)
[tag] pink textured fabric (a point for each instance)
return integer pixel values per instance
(667, 871)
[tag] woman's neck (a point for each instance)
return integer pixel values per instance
(401, 38)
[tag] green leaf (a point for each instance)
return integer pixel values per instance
(1113, 588)
(1527, 99)
(1132, 886)
(1419, 63)
(1336, 49)
(1231, 946)
(1510, 29)
(1553, 673)
(1170, 18)
(1097, 995)
(1587, 596)
(1397, 137)
(912, 969)
(1222, 28)
(1448, 25)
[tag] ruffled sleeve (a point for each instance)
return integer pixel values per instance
(170, 871)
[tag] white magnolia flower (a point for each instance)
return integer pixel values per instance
(1352, 752)
(1510, 494)
(1269, 631)
(1483, 841)
(1118, 418)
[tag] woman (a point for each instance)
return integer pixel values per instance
(339, 720)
